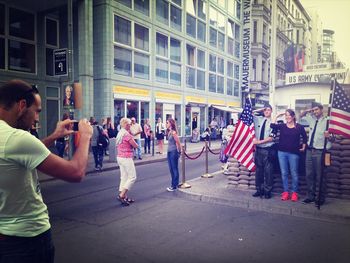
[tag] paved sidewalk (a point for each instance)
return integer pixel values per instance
(217, 190)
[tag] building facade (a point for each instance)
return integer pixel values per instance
(144, 59)
(293, 41)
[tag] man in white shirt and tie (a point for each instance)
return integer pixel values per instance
(314, 163)
(264, 153)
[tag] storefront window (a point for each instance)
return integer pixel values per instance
(159, 112)
(132, 109)
(119, 111)
(2, 19)
(188, 121)
(144, 113)
(178, 118)
(203, 124)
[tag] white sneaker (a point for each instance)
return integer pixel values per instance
(170, 189)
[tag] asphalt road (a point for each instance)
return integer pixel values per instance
(89, 225)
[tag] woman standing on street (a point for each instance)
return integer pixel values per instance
(174, 151)
(289, 150)
(160, 130)
(125, 144)
(147, 131)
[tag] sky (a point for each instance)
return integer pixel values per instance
(335, 15)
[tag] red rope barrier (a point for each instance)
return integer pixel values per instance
(194, 158)
(213, 152)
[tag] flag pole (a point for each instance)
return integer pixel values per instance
(324, 151)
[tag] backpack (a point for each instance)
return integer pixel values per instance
(102, 139)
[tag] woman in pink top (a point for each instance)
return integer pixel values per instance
(125, 144)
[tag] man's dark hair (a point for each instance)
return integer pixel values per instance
(15, 90)
(316, 104)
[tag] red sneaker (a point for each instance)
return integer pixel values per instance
(285, 196)
(294, 197)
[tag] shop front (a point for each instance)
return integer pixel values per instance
(195, 113)
(168, 105)
(131, 102)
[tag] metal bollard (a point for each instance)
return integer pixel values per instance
(207, 174)
(112, 150)
(183, 184)
(152, 138)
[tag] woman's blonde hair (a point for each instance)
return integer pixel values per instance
(124, 121)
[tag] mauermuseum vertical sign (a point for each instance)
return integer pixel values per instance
(246, 44)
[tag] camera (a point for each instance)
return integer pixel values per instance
(75, 126)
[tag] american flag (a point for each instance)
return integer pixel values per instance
(339, 122)
(241, 144)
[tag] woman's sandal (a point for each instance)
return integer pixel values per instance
(123, 201)
(129, 200)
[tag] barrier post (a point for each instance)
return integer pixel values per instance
(183, 184)
(152, 138)
(207, 174)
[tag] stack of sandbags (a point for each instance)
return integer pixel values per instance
(231, 171)
(344, 168)
(332, 172)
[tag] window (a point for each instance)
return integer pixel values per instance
(2, 53)
(175, 17)
(255, 31)
(125, 2)
(162, 45)
(264, 40)
(168, 61)
(141, 37)
(142, 6)
(21, 24)
(122, 61)
(51, 32)
(236, 82)
(122, 30)
(19, 46)
(119, 110)
(217, 29)
(131, 55)
(196, 19)
(52, 37)
(141, 66)
(237, 41)
(191, 26)
(162, 13)
(2, 19)
(230, 37)
(254, 70)
(238, 9)
(229, 75)
(195, 68)
(216, 74)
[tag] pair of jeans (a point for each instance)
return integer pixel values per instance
(173, 162)
(313, 173)
(98, 153)
(137, 151)
(264, 170)
(147, 144)
(38, 249)
(289, 162)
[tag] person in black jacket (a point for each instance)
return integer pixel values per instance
(288, 151)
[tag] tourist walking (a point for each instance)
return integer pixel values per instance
(125, 144)
(160, 132)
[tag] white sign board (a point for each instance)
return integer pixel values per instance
(316, 76)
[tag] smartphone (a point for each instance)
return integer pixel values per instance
(75, 126)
